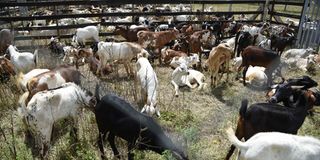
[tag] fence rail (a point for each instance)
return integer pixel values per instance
(119, 2)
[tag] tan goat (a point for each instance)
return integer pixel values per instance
(218, 56)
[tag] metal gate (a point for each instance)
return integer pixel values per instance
(309, 26)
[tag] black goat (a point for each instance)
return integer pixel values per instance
(119, 118)
(305, 82)
(279, 43)
(56, 47)
(268, 117)
(243, 40)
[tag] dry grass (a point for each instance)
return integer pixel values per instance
(196, 120)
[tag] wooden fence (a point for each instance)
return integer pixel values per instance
(9, 10)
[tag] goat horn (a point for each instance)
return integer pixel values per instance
(274, 86)
(143, 129)
(297, 87)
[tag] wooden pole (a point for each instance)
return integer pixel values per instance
(265, 11)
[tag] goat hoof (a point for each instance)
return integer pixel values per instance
(177, 95)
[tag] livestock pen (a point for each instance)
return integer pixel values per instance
(196, 120)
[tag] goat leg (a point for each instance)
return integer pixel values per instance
(176, 88)
(130, 148)
(244, 72)
(101, 139)
(111, 137)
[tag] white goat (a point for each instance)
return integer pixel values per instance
(276, 146)
(298, 53)
(303, 64)
(182, 76)
(123, 52)
(256, 76)
(47, 107)
(85, 34)
(230, 42)
(149, 84)
(23, 61)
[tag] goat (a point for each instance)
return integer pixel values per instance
(182, 76)
(264, 117)
(255, 56)
(23, 61)
(218, 56)
(6, 69)
(189, 61)
(156, 40)
(122, 52)
(47, 107)
(129, 34)
(243, 40)
(277, 146)
(116, 116)
(84, 34)
(52, 79)
(149, 84)
(168, 54)
(23, 79)
(279, 43)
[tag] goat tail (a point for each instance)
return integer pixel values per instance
(99, 27)
(36, 57)
(20, 77)
(234, 140)
(243, 108)
(144, 53)
(22, 109)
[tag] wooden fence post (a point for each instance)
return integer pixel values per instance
(265, 11)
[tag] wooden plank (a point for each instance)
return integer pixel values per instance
(286, 15)
(287, 3)
(118, 2)
(52, 17)
(114, 24)
(61, 36)
(279, 23)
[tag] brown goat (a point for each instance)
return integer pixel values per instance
(156, 40)
(129, 34)
(168, 54)
(6, 69)
(52, 79)
(256, 56)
